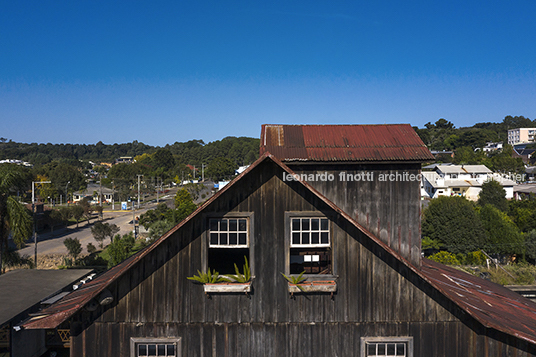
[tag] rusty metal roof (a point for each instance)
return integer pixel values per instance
(492, 305)
(361, 143)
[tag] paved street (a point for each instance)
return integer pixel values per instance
(52, 243)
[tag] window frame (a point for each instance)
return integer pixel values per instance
(408, 340)
(135, 341)
(206, 237)
(288, 246)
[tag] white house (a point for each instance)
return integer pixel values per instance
(462, 180)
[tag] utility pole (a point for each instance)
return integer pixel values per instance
(157, 189)
(203, 172)
(34, 223)
(113, 196)
(66, 194)
(139, 191)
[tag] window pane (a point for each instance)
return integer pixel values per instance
(305, 238)
(391, 347)
(371, 350)
(242, 239)
(295, 238)
(400, 349)
(161, 350)
(295, 224)
(223, 238)
(315, 237)
(324, 238)
(242, 225)
(223, 225)
(213, 224)
(152, 350)
(324, 224)
(381, 349)
(233, 225)
(305, 224)
(142, 350)
(315, 224)
(171, 350)
(213, 238)
(233, 238)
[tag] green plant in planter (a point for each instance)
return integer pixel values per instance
(208, 277)
(296, 280)
(241, 277)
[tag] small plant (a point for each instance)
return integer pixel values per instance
(208, 277)
(241, 278)
(91, 248)
(296, 280)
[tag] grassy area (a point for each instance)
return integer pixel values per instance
(515, 274)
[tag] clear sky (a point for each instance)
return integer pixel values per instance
(166, 71)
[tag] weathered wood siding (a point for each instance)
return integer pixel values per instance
(377, 296)
(384, 201)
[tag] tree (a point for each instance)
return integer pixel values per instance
(101, 231)
(14, 216)
(454, 222)
(493, 193)
(221, 167)
(157, 229)
(503, 236)
(184, 205)
(120, 249)
(86, 206)
(73, 246)
(77, 212)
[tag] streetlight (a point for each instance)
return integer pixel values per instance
(33, 212)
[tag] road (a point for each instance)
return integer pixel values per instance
(52, 243)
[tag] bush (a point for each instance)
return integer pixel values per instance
(73, 247)
(475, 258)
(91, 248)
(445, 257)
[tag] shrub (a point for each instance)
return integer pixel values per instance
(445, 257)
(73, 247)
(91, 248)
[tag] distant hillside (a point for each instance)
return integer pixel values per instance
(443, 135)
(241, 150)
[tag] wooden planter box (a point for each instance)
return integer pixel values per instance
(227, 288)
(327, 286)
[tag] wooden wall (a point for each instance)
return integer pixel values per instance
(390, 209)
(377, 296)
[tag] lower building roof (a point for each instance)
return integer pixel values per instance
(21, 289)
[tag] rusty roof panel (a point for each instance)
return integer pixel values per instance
(493, 305)
(389, 142)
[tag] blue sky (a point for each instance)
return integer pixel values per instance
(166, 71)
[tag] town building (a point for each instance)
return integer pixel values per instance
(521, 135)
(462, 180)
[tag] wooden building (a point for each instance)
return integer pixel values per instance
(368, 292)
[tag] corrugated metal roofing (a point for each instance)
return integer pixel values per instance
(388, 142)
(492, 305)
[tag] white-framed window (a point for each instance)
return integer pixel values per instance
(228, 232)
(386, 346)
(144, 347)
(228, 241)
(309, 243)
(309, 232)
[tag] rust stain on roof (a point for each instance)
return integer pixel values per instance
(389, 142)
(493, 305)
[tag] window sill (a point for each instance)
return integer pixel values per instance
(325, 286)
(227, 288)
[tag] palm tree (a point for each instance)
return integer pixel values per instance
(15, 220)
